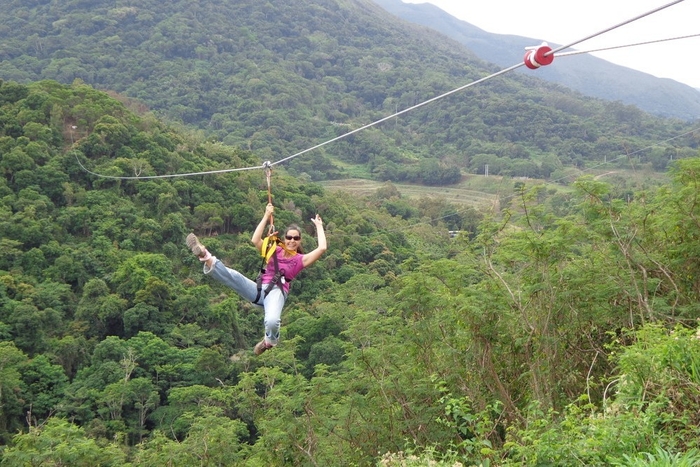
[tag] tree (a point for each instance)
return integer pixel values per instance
(133, 276)
(70, 352)
(9, 250)
(145, 398)
(212, 440)
(44, 385)
(31, 326)
(11, 407)
(14, 162)
(59, 442)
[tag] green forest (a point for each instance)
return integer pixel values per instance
(559, 330)
(557, 327)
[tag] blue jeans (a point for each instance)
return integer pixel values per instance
(271, 302)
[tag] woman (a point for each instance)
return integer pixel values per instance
(287, 261)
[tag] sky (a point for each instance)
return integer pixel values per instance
(565, 22)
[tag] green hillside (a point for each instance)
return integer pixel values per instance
(278, 78)
(558, 331)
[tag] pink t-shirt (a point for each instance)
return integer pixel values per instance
(291, 267)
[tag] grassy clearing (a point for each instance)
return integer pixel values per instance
(488, 192)
(461, 193)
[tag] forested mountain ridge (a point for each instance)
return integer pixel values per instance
(559, 331)
(584, 73)
(280, 77)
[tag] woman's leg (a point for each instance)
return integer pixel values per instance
(274, 301)
(245, 287)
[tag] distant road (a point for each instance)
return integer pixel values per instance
(603, 175)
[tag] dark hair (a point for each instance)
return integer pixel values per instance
(298, 229)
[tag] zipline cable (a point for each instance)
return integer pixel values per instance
(506, 70)
(578, 52)
(149, 177)
(614, 27)
(344, 135)
(267, 165)
(268, 176)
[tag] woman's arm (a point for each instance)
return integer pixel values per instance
(310, 258)
(257, 235)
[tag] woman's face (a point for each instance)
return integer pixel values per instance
(292, 239)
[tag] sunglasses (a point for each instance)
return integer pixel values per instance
(293, 237)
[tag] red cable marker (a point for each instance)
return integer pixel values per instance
(538, 56)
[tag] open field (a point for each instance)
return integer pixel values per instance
(486, 192)
(458, 194)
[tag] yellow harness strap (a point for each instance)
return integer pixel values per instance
(269, 246)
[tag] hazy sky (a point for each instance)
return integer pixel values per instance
(564, 22)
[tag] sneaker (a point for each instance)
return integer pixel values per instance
(261, 346)
(194, 245)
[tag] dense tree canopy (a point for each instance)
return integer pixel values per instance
(560, 327)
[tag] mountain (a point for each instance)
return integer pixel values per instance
(278, 78)
(585, 73)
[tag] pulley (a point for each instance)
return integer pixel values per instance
(538, 56)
